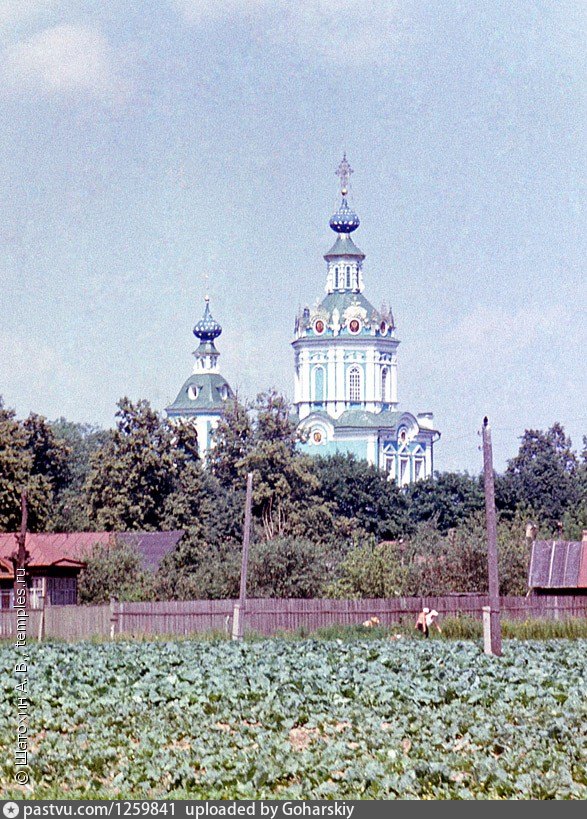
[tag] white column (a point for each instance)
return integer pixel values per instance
(297, 397)
(340, 383)
(393, 374)
(305, 385)
(371, 450)
(428, 457)
(370, 376)
(330, 370)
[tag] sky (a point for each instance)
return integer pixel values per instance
(151, 152)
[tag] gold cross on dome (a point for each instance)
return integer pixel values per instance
(344, 172)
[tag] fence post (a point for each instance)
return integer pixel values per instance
(113, 617)
(487, 630)
(41, 633)
(238, 624)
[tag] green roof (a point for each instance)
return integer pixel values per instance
(341, 301)
(362, 418)
(344, 246)
(201, 394)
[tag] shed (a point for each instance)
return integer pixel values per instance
(57, 558)
(558, 567)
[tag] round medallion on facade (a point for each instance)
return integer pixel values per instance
(354, 326)
(319, 327)
(317, 436)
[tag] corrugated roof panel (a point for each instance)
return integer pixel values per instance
(573, 563)
(540, 564)
(153, 546)
(556, 564)
(557, 578)
(582, 582)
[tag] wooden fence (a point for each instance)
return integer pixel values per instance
(269, 616)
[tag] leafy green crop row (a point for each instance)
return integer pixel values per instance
(277, 719)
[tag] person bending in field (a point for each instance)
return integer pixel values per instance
(427, 618)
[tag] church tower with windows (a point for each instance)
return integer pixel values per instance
(345, 353)
(205, 393)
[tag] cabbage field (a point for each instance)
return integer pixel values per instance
(308, 719)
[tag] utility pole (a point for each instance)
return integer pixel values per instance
(493, 645)
(19, 558)
(238, 619)
(21, 537)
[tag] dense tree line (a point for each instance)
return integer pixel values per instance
(324, 525)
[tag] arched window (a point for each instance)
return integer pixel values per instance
(336, 279)
(348, 277)
(318, 384)
(354, 384)
(384, 384)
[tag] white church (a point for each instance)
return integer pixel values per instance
(345, 371)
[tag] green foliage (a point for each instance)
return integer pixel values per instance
(114, 571)
(233, 439)
(361, 494)
(428, 563)
(371, 570)
(457, 562)
(448, 499)
(365, 719)
(145, 475)
(26, 463)
(71, 508)
(543, 476)
(287, 567)
(199, 570)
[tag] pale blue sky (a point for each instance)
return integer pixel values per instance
(144, 145)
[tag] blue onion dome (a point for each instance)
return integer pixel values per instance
(207, 329)
(345, 220)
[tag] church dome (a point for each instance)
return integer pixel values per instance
(207, 329)
(345, 220)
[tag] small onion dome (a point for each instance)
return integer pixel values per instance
(345, 220)
(207, 329)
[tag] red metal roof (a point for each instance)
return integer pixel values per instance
(558, 564)
(72, 549)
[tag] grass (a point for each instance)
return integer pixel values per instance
(453, 628)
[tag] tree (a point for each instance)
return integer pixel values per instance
(371, 570)
(544, 475)
(287, 567)
(200, 570)
(362, 495)
(71, 505)
(284, 483)
(17, 461)
(190, 496)
(114, 571)
(233, 439)
(51, 455)
(448, 498)
(457, 561)
(134, 473)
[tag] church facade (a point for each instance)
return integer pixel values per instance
(204, 394)
(346, 368)
(346, 371)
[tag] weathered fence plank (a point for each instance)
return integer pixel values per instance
(270, 616)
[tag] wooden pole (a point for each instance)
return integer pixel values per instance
(20, 559)
(491, 522)
(238, 621)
